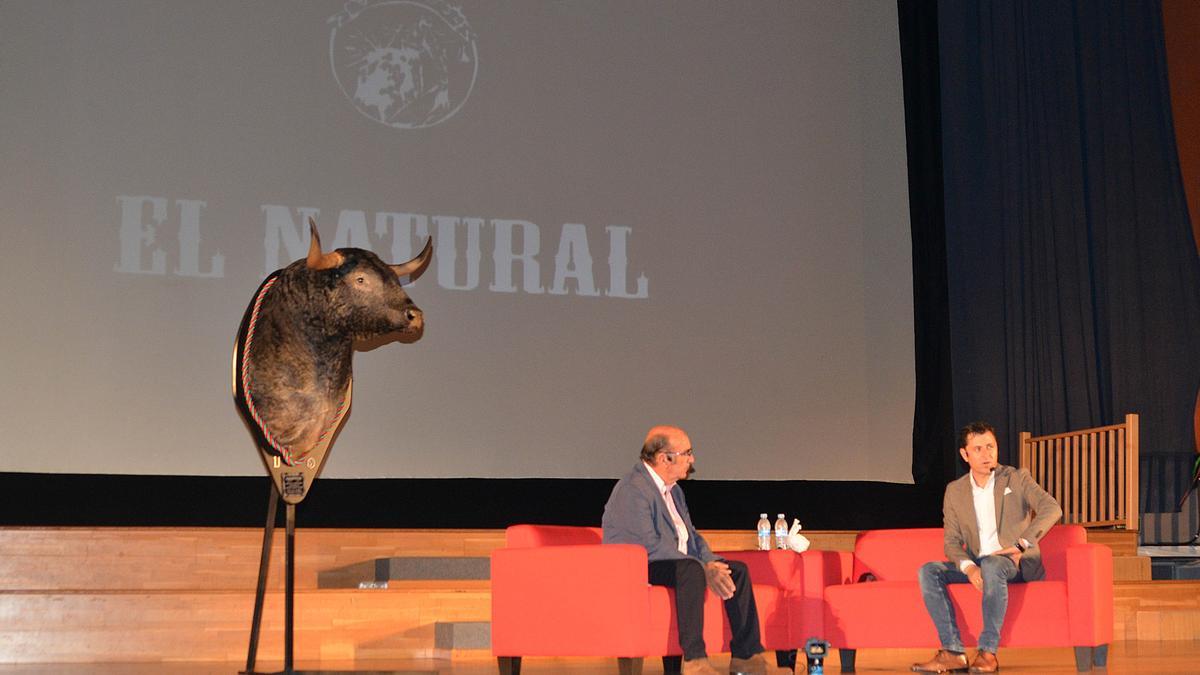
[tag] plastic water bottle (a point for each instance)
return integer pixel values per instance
(781, 532)
(764, 533)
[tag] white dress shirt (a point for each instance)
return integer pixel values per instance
(985, 518)
(665, 491)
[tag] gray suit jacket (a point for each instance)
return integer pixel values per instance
(636, 514)
(1023, 511)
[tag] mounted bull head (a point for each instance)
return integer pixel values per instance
(292, 367)
(360, 295)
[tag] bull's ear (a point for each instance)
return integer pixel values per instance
(414, 268)
(317, 260)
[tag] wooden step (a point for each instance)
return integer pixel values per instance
(227, 558)
(462, 638)
(1122, 542)
(1156, 610)
(1131, 568)
(380, 572)
(110, 626)
(747, 540)
(201, 558)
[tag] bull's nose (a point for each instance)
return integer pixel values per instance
(412, 314)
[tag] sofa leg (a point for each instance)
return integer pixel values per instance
(847, 658)
(786, 658)
(672, 665)
(1083, 659)
(509, 665)
(1100, 656)
(629, 666)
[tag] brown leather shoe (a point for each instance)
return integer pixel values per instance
(699, 666)
(755, 665)
(985, 662)
(942, 662)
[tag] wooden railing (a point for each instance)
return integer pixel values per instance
(1093, 473)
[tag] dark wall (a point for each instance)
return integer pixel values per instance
(96, 500)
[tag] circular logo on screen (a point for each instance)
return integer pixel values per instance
(401, 63)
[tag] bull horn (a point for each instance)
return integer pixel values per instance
(316, 259)
(416, 267)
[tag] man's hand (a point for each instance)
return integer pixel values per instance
(1012, 552)
(975, 576)
(719, 579)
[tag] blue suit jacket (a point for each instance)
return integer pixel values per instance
(636, 514)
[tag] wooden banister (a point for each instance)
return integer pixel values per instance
(1093, 473)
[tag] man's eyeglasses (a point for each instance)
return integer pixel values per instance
(685, 453)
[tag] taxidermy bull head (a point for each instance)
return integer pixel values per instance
(292, 365)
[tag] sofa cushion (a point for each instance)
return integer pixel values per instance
(524, 536)
(896, 555)
(877, 614)
(892, 614)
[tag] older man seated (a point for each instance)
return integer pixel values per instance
(647, 508)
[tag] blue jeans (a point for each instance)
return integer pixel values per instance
(998, 571)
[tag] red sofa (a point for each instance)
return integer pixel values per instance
(557, 591)
(1072, 606)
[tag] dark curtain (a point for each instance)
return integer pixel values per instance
(1074, 286)
(933, 416)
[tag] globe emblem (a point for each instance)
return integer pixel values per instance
(405, 64)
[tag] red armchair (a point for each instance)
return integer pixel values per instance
(1072, 606)
(557, 591)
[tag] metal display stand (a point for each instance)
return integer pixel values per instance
(264, 564)
(293, 471)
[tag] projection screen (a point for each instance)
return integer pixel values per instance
(668, 212)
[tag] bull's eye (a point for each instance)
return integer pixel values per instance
(361, 280)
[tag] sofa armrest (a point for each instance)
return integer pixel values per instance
(819, 570)
(1090, 594)
(826, 568)
(776, 567)
(570, 600)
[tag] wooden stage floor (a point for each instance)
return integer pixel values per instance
(1169, 656)
(178, 600)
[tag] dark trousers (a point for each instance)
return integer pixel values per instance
(686, 576)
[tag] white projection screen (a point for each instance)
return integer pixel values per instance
(643, 212)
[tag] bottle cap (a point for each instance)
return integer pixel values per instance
(762, 515)
(781, 515)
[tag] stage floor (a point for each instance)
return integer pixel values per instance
(1174, 656)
